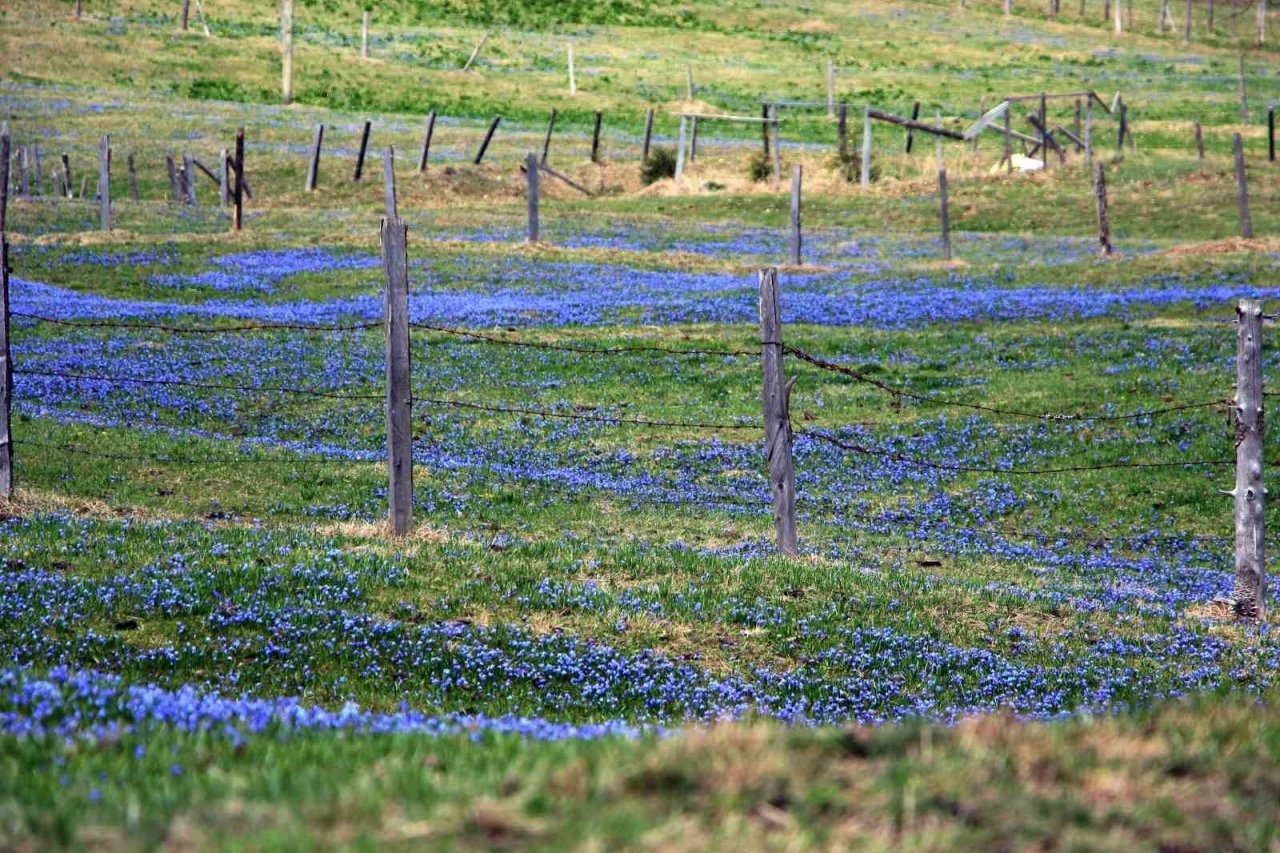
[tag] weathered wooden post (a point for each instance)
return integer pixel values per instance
(1271, 133)
(1079, 132)
(531, 191)
(982, 111)
(1088, 133)
(796, 178)
(24, 187)
(689, 72)
(1104, 219)
(776, 144)
(104, 183)
(546, 143)
(573, 82)
(680, 148)
(911, 131)
(1186, 25)
(175, 189)
(1122, 129)
(186, 14)
(764, 130)
(6, 355)
(224, 178)
(648, 135)
(189, 179)
(395, 265)
(313, 168)
(595, 136)
(693, 138)
(488, 137)
(842, 134)
(1044, 129)
(1242, 189)
(38, 185)
(364, 35)
(133, 179)
(66, 175)
(1261, 9)
(426, 142)
(864, 179)
(1199, 141)
(777, 416)
(1008, 137)
(286, 52)
(1244, 94)
(476, 51)
(945, 210)
(389, 181)
(1248, 593)
(364, 147)
(237, 215)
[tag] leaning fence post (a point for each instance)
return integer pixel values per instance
(945, 211)
(395, 265)
(777, 415)
(6, 362)
(865, 177)
(1249, 493)
(104, 183)
(364, 146)
(796, 178)
(488, 137)
(531, 190)
(313, 168)
(1104, 219)
(237, 215)
(648, 135)
(546, 143)
(1242, 189)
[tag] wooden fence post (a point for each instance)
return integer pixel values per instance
(573, 82)
(6, 356)
(426, 142)
(693, 138)
(1186, 25)
(1008, 137)
(189, 179)
(546, 143)
(313, 168)
(777, 415)
(389, 181)
(776, 144)
(1199, 134)
(831, 88)
(1104, 218)
(1079, 132)
(1242, 189)
(531, 191)
(395, 265)
(689, 72)
(1244, 94)
(38, 186)
(1271, 133)
(595, 136)
(24, 186)
(237, 216)
(648, 135)
(796, 178)
(133, 179)
(476, 51)
(684, 121)
(1247, 595)
(842, 134)
(764, 130)
(186, 14)
(175, 193)
(488, 137)
(946, 213)
(1088, 133)
(104, 183)
(224, 178)
(286, 51)
(864, 178)
(66, 175)
(364, 35)
(364, 146)
(911, 131)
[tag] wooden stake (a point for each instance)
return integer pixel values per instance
(842, 134)
(1008, 138)
(476, 51)
(945, 210)
(6, 355)
(764, 129)
(777, 416)
(551, 128)
(38, 184)
(104, 183)
(364, 147)
(1249, 493)
(595, 136)
(488, 137)
(689, 72)
(1079, 132)
(648, 135)
(133, 179)
(237, 216)
(776, 144)
(1242, 189)
(796, 177)
(313, 167)
(1104, 219)
(24, 186)
(531, 191)
(1186, 25)
(1271, 133)
(395, 265)
(286, 51)
(186, 14)
(426, 142)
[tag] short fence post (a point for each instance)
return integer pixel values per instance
(796, 178)
(1242, 189)
(104, 183)
(133, 178)
(595, 136)
(865, 177)
(6, 356)
(426, 142)
(1104, 219)
(286, 52)
(1199, 134)
(395, 265)
(237, 215)
(648, 135)
(488, 137)
(313, 168)
(546, 143)
(189, 179)
(777, 416)
(1249, 494)
(680, 148)
(224, 178)
(946, 213)
(531, 190)
(364, 146)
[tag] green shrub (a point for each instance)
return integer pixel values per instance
(759, 167)
(661, 163)
(848, 164)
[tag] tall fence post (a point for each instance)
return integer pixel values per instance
(395, 265)
(945, 211)
(546, 142)
(1104, 218)
(573, 81)
(24, 180)
(531, 190)
(595, 136)
(426, 142)
(488, 137)
(237, 215)
(777, 415)
(1249, 493)
(796, 179)
(6, 356)
(648, 135)
(313, 168)
(764, 130)
(364, 147)
(1199, 135)
(865, 177)
(1242, 189)
(104, 183)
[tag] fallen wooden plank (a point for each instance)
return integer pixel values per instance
(911, 124)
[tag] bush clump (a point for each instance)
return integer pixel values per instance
(848, 164)
(661, 163)
(759, 167)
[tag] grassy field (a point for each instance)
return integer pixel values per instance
(589, 640)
